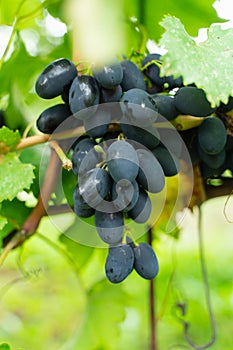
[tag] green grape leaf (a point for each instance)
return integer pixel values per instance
(14, 176)
(9, 139)
(207, 64)
(5, 346)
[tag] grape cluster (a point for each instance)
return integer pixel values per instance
(124, 156)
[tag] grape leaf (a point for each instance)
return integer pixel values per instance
(14, 176)
(9, 139)
(207, 64)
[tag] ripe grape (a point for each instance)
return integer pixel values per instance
(110, 226)
(144, 115)
(84, 93)
(52, 117)
(110, 95)
(212, 135)
(145, 261)
(150, 175)
(166, 106)
(192, 100)
(55, 78)
(94, 185)
(168, 161)
(125, 196)
(142, 209)
(108, 76)
(81, 208)
(119, 263)
(122, 161)
(147, 136)
(132, 76)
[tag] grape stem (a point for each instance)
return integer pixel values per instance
(29, 227)
(66, 162)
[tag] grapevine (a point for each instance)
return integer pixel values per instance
(122, 129)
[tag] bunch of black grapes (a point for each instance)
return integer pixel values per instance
(123, 157)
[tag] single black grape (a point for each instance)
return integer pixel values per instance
(81, 208)
(147, 136)
(110, 95)
(142, 209)
(150, 175)
(145, 261)
(108, 76)
(138, 107)
(192, 100)
(212, 135)
(166, 106)
(55, 78)
(122, 161)
(94, 186)
(214, 161)
(81, 150)
(84, 92)
(97, 125)
(125, 197)
(52, 117)
(132, 76)
(119, 263)
(110, 226)
(168, 161)
(153, 71)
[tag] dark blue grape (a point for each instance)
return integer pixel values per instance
(94, 186)
(122, 161)
(55, 78)
(110, 226)
(84, 92)
(212, 135)
(192, 100)
(142, 209)
(83, 149)
(165, 106)
(214, 161)
(119, 263)
(110, 95)
(145, 261)
(150, 175)
(52, 117)
(97, 125)
(168, 161)
(132, 76)
(138, 107)
(108, 76)
(153, 71)
(81, 208)
(125, 197)
(147, 136)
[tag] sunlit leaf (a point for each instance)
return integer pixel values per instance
(14, 176)
(9, 139)
(208, 64)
